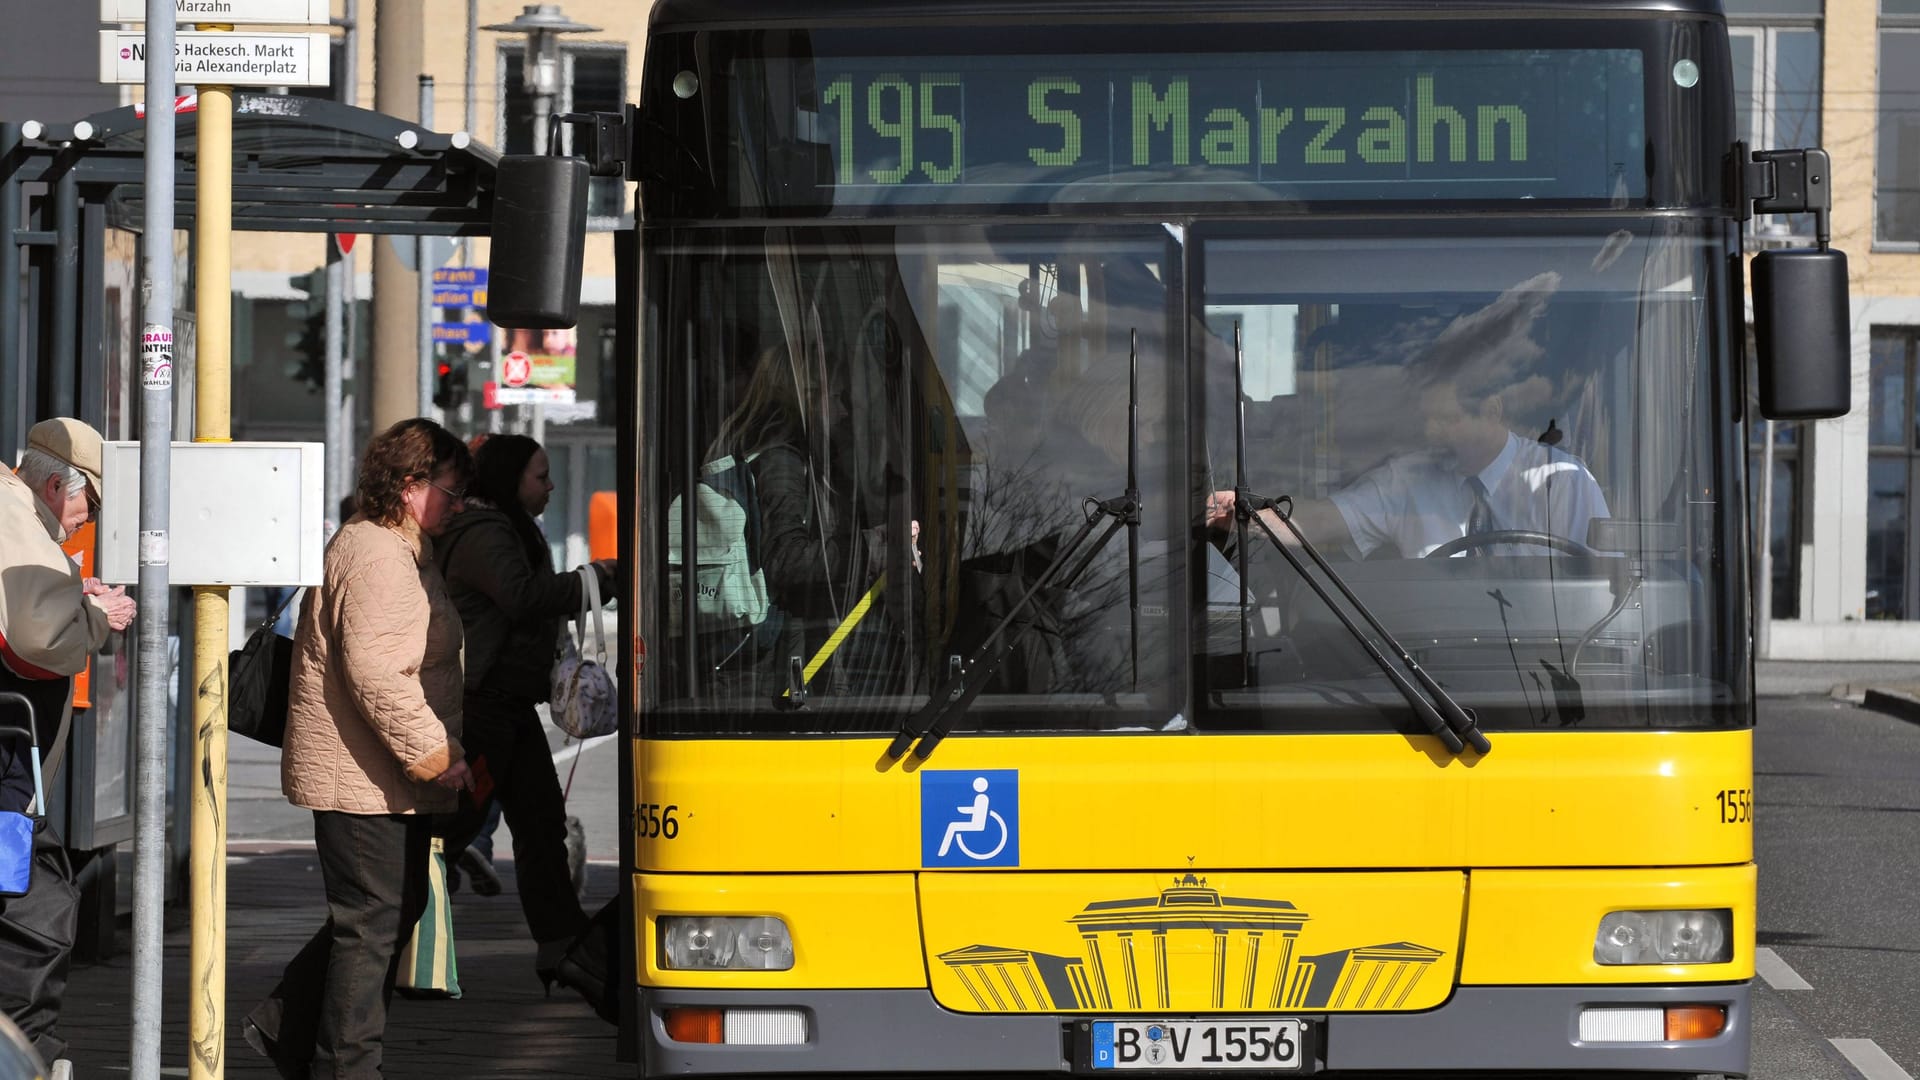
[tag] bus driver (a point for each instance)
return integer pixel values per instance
(1476, 475)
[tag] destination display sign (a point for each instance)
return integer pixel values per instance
(252, 12)
(221, 59)
(1539, 123)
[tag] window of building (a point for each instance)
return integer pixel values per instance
(593, 78)
(1896, 187)
(1782, 530)
(1893, 435)
(1776, 76)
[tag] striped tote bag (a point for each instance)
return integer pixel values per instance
(427, 968)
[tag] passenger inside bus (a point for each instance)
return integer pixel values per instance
(767, 460)
(1476, 486)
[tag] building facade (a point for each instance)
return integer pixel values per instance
(1844, 533)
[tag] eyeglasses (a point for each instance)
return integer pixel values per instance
(93, 504)
(456, 496)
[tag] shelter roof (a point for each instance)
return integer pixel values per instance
(300, 164)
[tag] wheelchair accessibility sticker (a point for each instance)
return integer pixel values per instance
(970, 817)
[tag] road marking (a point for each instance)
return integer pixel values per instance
(1873, 1062)
(1776, 972)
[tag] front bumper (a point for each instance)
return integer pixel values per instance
(1479, 1028)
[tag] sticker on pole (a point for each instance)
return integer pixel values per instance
(156, 358)
(153, 548)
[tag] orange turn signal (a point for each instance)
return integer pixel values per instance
(704, 1025)
(1688, 1022)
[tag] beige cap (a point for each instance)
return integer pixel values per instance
(73, 442)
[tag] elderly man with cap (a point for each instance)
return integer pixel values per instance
(52, 621)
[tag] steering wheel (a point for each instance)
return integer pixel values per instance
(1508, 536)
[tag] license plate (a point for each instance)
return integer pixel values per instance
(1273, 1044)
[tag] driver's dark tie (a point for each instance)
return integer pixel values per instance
(1480, 518)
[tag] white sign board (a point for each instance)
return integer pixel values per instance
(535, 395)
(239, 514)
(257, 12)
(221, 59)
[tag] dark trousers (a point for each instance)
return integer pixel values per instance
(507, 748)
(36, 945)
(328, 1016)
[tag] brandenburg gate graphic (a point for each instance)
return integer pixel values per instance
(1190, 948)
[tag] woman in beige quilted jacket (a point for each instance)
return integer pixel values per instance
(372, 748)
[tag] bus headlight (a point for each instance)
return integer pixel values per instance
(1700, 936)
(725, 942)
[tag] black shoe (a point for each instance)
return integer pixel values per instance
(269, 1047)
(587, 968)
(485, 881)
(262, 1043)
(546, 963)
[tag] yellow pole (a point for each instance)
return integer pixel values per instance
(213, 423)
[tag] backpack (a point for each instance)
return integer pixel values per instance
(730, 588)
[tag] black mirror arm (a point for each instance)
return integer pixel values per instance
(1791, 182)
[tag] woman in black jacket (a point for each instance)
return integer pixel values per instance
(513, 606)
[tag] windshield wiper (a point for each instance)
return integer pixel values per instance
(1449, 721)
(967, 678)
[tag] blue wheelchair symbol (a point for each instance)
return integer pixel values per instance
(970, 817)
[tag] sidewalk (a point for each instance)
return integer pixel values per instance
(1790, 678)
(503, 1026)
(1889, 688)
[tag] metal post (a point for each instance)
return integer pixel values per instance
(66, 286)
(469, 120)
(1763, 592)
(352, 394)
(399, 36)
(11, 433)
(156, 440)
(338, 428)
(213, 392)
(542, 118)
(350, 54)
(423, 327)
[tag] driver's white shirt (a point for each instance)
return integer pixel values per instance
(1418, 502)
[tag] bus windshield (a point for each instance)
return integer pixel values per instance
(1502, 445)
(895, 462)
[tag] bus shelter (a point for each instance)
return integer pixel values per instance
(72, 201)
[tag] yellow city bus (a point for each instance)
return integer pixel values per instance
(1196, 537)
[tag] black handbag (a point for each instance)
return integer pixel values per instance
(258, 674)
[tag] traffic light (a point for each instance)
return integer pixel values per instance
(307, 337)
(450, 383)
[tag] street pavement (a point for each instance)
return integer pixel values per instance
(1837, 837)
(504, 1024)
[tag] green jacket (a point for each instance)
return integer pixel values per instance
(512, 607)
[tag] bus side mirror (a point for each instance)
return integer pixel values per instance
(1803, 333)
(539, 242)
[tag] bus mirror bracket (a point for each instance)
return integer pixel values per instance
(603, 139)
(1801, 325)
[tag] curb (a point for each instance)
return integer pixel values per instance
(1903, 704)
